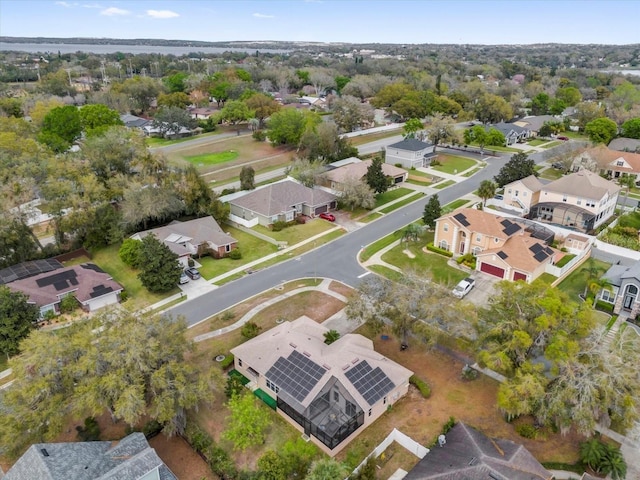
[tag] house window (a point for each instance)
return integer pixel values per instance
(478, 238)
(590, 203)
(579, 201)
(620, 163)
(496, 240)
(476, 250)
(607, 296)
(336, 396)
(384, 401)
(239, 362)
(445, 227)
(444, 245)
(509, 191)
(272, 386)
(517, 192)
(369, 412)
(524, 194)
(227, 248)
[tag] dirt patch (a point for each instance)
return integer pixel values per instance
(181, 459)
(316, 305)
(409, 253)
(341, 288)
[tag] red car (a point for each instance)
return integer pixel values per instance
(564, 139)
(328, 216)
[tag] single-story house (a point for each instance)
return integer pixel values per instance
(92, 287)
(623, 144)
(466, 453)
(28, 269)
(357, 169)
(131, 121)
(512, 132)
(169, 130)
(625, 289)
(534, 123)
(605, 161)
(201, 236)
(282, 201)
(202, 113)
(130, 458)
(503, 248)
(329, 392)
(410, 153)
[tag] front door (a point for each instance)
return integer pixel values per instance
(631, 292)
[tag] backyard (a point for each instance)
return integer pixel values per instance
(576, 282)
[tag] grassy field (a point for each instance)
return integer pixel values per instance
(163, 142)
(420, 183)
(403, 202)
(575, 135)
(449, 207)
(362, 139)
(370, 250)
(391, 195)
(297, 233)
(252, 248)
(139, 297)
(431, 264)
(446, 184)
(453, 164)
(472, 172)
(386, 272)
(576, 282)
(370, 217)
(208, 159)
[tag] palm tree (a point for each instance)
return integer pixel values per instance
(596, 286)
(592, 452)
(613, 463)
(590, 272)
(412, 232)
(486, 190)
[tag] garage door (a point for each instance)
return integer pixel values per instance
(492, 270)
(321, 209)
(519, 276)
(103, 301)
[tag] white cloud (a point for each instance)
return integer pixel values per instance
(262, 15)
(66, 4)
(162, 14)
(114, 11)
(91, 5)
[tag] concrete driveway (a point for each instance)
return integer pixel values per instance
(485, 287)
(197, 287)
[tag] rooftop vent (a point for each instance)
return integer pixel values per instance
(44, 452)
(306, 354)
(291, 344)
(355, 360)
(473, 461)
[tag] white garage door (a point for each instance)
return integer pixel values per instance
(103, 301)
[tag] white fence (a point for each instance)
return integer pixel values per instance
(404, 440)
(561, 271)
(241, 221)
(615, 250)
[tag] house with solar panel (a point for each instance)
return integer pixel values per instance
(330, 393)
(503, 247)
(92, 287)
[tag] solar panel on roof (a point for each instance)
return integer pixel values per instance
(505, 223)
(535, 248)
(462, 219)
(502, 255)
(541, 256)
(511, 228)
(100, 290)
(372, 384)
(296, 374)
(92, 266)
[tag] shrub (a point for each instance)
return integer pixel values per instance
(399, 165)
(527, 431)
(250, 330)
(68, 304)
(604, 306)
(151, 428)
(220, 463)
(227, 362)
(90, 432)
(279, 225)
(234, 386)
(191, 262)
(227, 191)
(259, 136)
(235, 254)
(564, 260)
(227, 316)
(124, 296)
(301, 219)
(469, 373)
(421, 385)
(129, 252)
(468, 259)
(199, 440)
(432, 248)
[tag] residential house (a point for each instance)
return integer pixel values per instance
(131, 121)
(605, 161)
(331, 393)
(410, 153)
(356, 168)
(535, 123)
(523, 193)
(92, 287)
(467, 453)
(130, 458)
(201, 236)
(28, 269)
(202, 113)
(503, 248)
(582, 200)
(624, 289)
(281, 201)
(512, 132)
(623, 144)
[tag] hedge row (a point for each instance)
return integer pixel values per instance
(421, 385)
(432, 248)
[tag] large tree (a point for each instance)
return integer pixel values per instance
(492, 109)
(247, 178)
(601, 130)
(324, 143)
(160, 268)
(441, 129)
(247, 423)
(262, 106)
(631, 128)
(171, 121)
(432, 211)
(376, 178)
(411, 127)
(17, 319)
(518, 167)
(486, 190)
(61, 127)
(145, 203)
(97, 118)
(349, 113)
(235, 112)
(356, 193)
(287, 126)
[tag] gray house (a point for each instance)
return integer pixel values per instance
(410, 153)
(131, 458)
(281, 201)
(625, 286)
(512, 132)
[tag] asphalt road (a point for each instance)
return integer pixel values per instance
(335, 260)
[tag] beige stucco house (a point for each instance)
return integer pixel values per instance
(329, 392)
(503, 248)
(605, 161)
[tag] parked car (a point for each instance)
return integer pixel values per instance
(564, 139)
(183, 278)
(192, 273)
(328, 216)
(463, 287)
(499, 196)
(558, 165)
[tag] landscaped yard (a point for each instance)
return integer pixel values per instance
(208, 159)
(391, 195)
(450, 207)
(550, 173)
(536, 142)
(139, 297)
(252, 248)
(576, 282)
(297, 233)
(453, 164)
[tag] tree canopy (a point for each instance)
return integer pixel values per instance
(601, 130)
(17, 319)
(518, 167)
(376, 178)
(160, 269)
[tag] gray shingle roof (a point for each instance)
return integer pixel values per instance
(625, 144)
(197, 232)
(410, 144)
(129, 459)
(280, 197)
(471, 455)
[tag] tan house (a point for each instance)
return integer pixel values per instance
(582, 200)
(329, 392)
(604, 161)
(503, 248)
(334, 178)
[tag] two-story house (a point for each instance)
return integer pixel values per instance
(582, 200)
(605, 161)
(503, 248)
(410, 153)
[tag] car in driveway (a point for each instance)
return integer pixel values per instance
(328, 216)
(463, 287)
(499, 196)
(192, 273)
(564, 139)
(183, 278)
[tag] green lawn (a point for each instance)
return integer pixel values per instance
(372, 137)
(370, 217)
(575, 135)
(431, 264)
(446, 184)
(449, 207)
(208, 159)
(163, 142)
(630, 220)
(370, 250)
(386, 272)
(547, 278)
(297, 233)
(536, 142)
(550, 173)
(252, 248)
(575, 283)
(402, 203)
(413, 181)
(552, 144)
(496, 148)
(391, 195)
(472, 172)
(139, 297)
(453, 164)
(418, 173)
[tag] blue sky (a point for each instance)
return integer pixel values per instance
(355, 21)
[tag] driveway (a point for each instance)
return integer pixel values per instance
(197, 287)
(485, 287)
(344, 220)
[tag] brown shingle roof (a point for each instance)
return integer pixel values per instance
(359, 170)
(606, 158)
(519, 254)
(281, 197)
(479, 221)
